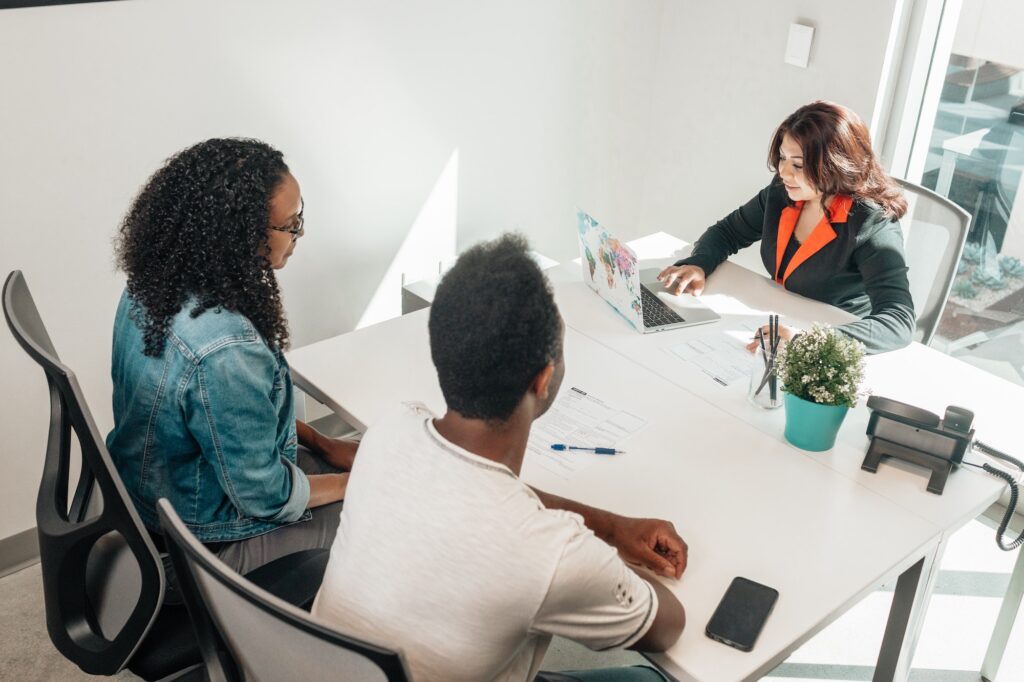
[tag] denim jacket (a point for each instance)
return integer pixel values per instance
(209, 424)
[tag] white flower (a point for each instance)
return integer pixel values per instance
(823, 365)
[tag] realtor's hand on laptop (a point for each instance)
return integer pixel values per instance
(683, 279)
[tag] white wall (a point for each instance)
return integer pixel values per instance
(370, 101)
(653, 114)
(721, 89)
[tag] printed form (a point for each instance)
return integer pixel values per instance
(722, 356)
(582, 419)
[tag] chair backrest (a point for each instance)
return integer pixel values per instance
(266, 638)
(103, 581)
(935, 230)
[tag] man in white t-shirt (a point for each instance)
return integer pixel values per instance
(443, 553)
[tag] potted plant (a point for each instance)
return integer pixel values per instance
(821, 372)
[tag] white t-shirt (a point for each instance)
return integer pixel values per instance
(451, 559)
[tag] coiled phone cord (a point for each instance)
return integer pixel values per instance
(1011, 507)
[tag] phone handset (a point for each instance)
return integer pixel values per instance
(916, 435)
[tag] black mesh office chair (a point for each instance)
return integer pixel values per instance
(103, 577)
(246, 633)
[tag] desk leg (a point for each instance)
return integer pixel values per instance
(906, 617)
(1004, 622)
(310, 389)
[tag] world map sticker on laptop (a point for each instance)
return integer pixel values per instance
(610, 268)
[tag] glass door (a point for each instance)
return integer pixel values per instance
(975, 157)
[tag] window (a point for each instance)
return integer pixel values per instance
(968, 145)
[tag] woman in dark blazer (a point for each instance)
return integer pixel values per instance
(828, 225)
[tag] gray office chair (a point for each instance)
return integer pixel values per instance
(246, 633)
(935, 230)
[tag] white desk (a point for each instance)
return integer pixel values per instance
(745, 501)
(739, 498)
(917, 374)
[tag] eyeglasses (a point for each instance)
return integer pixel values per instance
(295, 229)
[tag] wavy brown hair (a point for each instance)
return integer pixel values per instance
(838, 158)
(198, 232)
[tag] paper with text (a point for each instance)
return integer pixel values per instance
(578, 418)
(722, 356)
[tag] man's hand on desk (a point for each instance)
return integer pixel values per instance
(651, 543)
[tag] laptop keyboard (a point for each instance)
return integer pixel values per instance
(656, 312)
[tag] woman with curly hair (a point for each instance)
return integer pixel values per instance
(203, 402)
(828, 225)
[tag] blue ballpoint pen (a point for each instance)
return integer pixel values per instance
(599, 451)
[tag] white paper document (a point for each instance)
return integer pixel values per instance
(582, 419)
(722, 356)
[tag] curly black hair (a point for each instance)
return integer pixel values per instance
(198, 230)
(493, 326)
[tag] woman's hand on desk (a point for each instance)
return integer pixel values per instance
(652, 543)
(785, 333)
(683, 279)
(326, 488)
(338, 452)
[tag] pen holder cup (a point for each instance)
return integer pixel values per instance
(765, 390)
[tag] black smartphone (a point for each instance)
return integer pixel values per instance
(741, 614)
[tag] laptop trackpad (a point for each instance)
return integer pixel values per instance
(649, 279)
(686, 305)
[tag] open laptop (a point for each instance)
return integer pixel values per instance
(610, 269)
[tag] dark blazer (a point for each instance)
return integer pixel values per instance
(862, 270)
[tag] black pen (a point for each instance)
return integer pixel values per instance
(774, 320)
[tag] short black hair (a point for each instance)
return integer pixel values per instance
(493, 326)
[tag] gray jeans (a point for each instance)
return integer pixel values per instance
(318, 532)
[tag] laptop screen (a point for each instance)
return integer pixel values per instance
(610, 269)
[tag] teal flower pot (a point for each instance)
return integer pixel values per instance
(812, 426)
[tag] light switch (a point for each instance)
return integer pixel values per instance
(798, 47)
